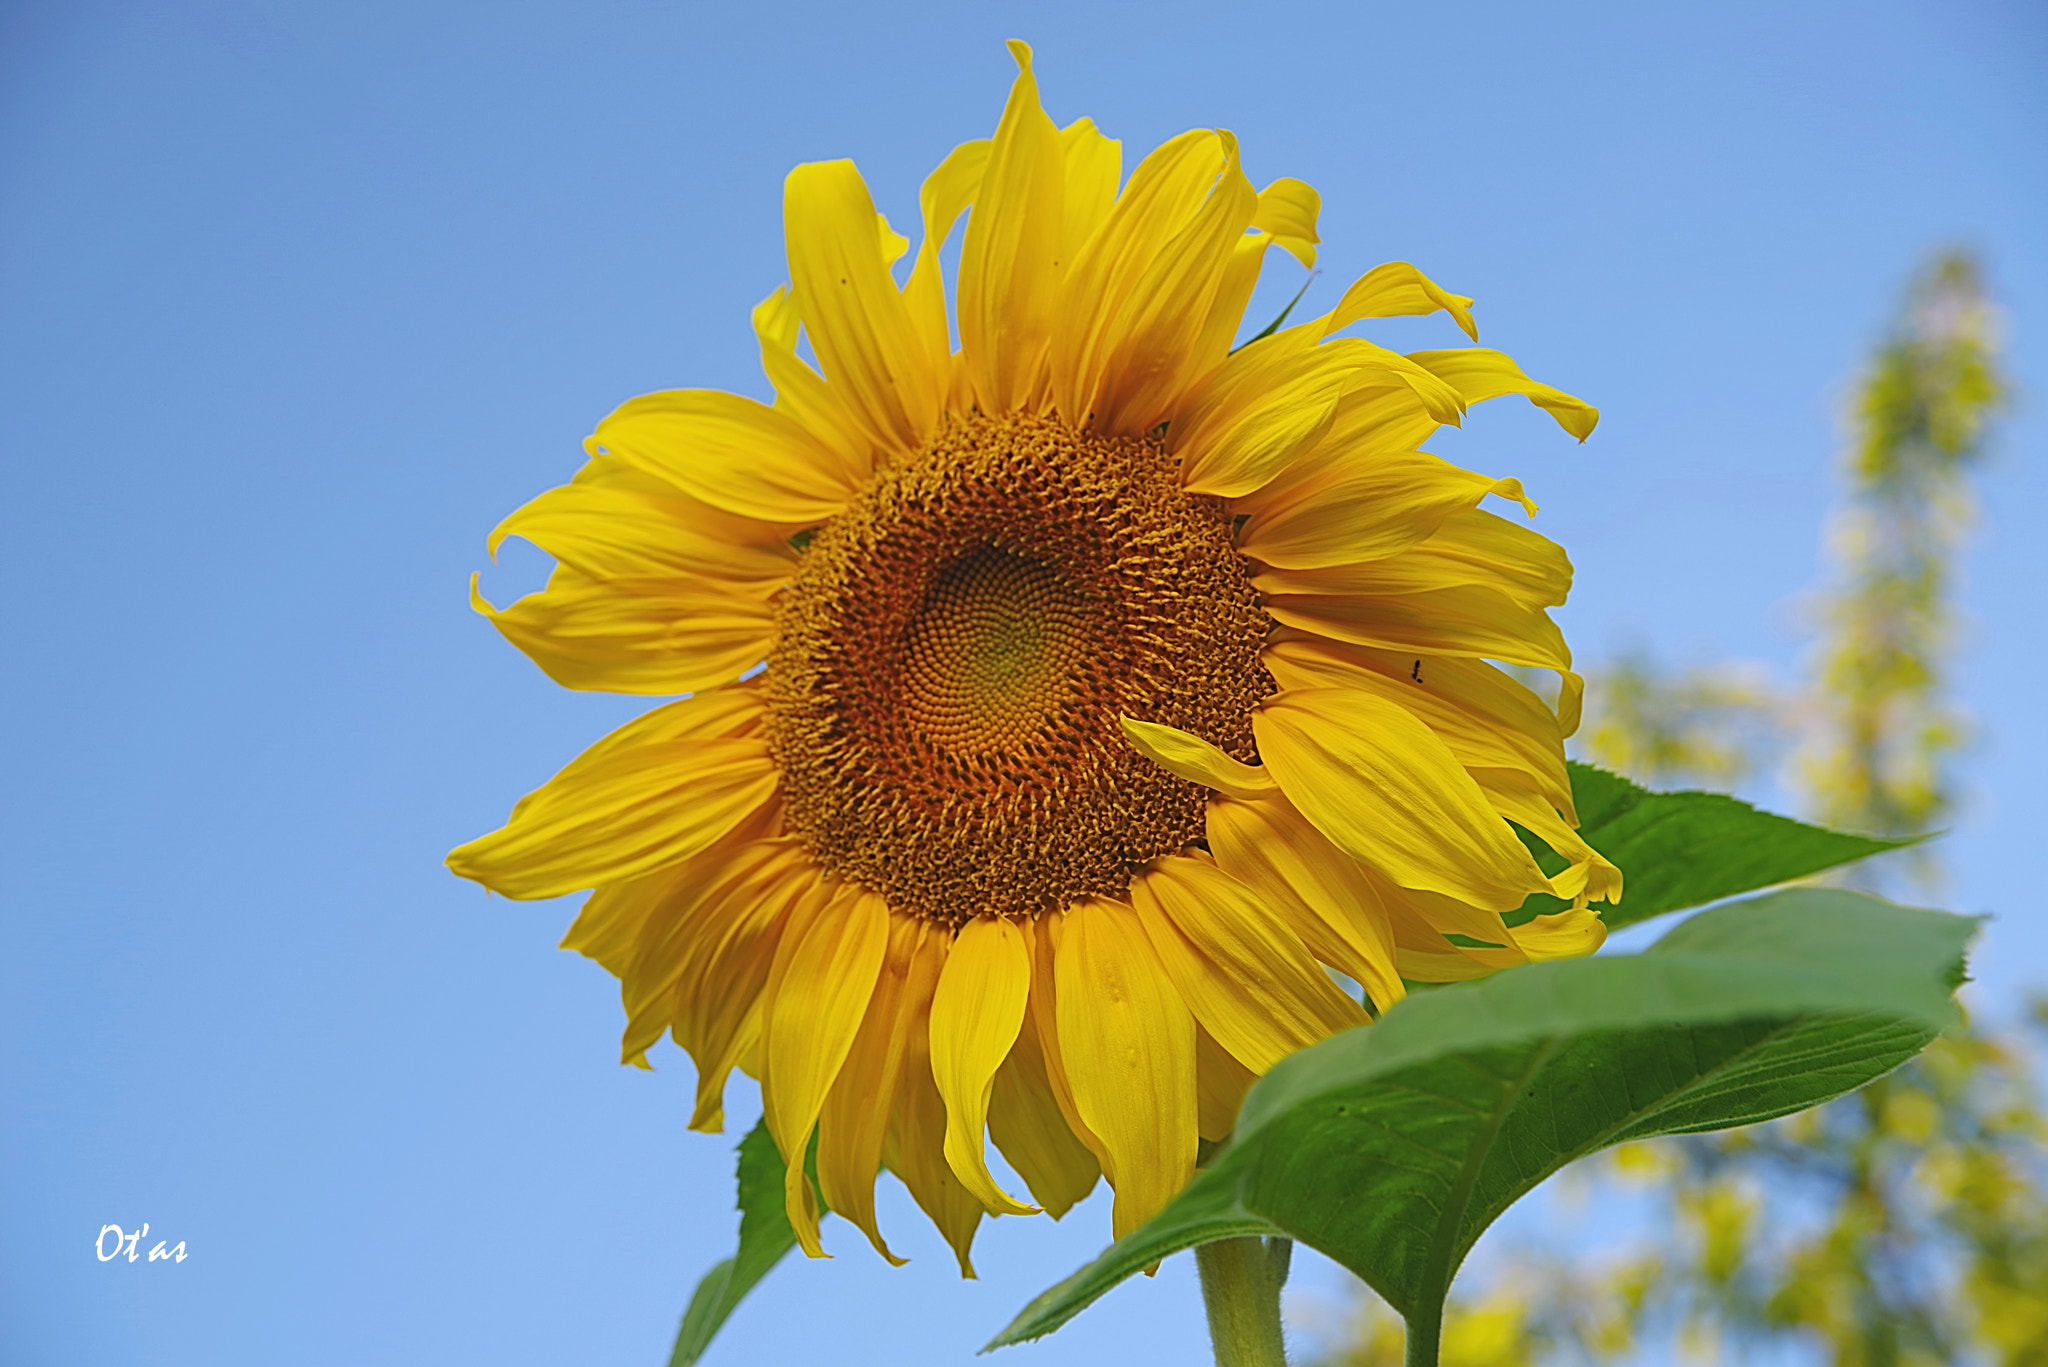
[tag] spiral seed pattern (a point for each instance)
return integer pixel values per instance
(954, 652)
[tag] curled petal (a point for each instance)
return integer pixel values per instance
(1247, 977)
(604, 532)
(1287, 209)
(670, 635)
(1472, 547)
(730, 452)
(858, 321)
(1478, 374)
(976, 1014)
(915, 1148)
(1488, 719)
(1026, 1122)
(1364, 510)
(1326, 894)
(1398, 289)
(853, 1127)
(656, 791)
(1388, 792)
(818, 991)
(1195, 759)
(1474, 622)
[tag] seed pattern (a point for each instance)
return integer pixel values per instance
(954, 651)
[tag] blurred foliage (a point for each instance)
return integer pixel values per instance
(1884, 728)
(1708, 726)
(1906, 1224)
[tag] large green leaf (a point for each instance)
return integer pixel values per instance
(1678, 850)
(765, 1236)
(1391, 1147)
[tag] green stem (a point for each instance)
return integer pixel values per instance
(1425, 1332)
(1241, 1281)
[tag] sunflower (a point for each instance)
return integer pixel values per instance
(1121, 688)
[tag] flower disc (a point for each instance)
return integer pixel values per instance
(955, 650)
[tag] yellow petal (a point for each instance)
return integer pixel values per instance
(1438, 397)
(1449, 964)
(1375, 421)
(1562, 935)
(688, 921)
(1478, 375)
(947, 192)
(716, 1007)
(1287, 209)
(854, 1124)
(1220, 1084)
(976, 1013)
(1262, 410)
(818, 991)
(609, 533)
(858, 321)
(1094, 167)
(1270, 848)
(1025, 1121)
(915, 1149)
(730, 452)
(1471, 547)
(1363, 510)
(801, 392)
(1398, 289)
(1421, 919)
(1286, 213)
(1233, 292)
(1285, 382)
(1388, 792)
(894, 244)
(650, 794)
(1042, 1018)
(1150, 349)
(1249, 980)
(1472, 622)
(1195, 759)
(1590, 876)
(1489, 720)
(1127, 1041)
(609, 925)
(1010, 263)
(1165, 192)
(672, 635)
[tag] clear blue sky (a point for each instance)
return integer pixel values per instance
(297, 300)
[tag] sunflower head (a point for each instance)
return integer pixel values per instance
(1122, 686)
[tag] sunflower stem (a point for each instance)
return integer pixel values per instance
(1425, 1333)
(1241, 1281)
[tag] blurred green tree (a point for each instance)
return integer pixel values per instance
(1906, 1224)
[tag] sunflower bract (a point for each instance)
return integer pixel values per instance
(1116, 683)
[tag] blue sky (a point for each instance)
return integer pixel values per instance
(298, 300)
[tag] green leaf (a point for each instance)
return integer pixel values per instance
(765, 1236)
(1391, 1147)
(1678, 850)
